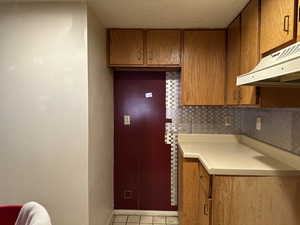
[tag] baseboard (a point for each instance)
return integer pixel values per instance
(110, 218)
(145, 212)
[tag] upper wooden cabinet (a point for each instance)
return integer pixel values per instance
(126, 47)
(278, 25)
(233, 61)
(249, 49)
(163, 47)
(144, 48)
(203, 72)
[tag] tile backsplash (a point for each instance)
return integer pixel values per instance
(280, 127)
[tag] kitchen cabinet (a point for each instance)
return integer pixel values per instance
(126, 47)
(249, 49)
(235, 200)
(193, 207)
(279, 97)
(233, 61)
(203, 72)
(163, 47)
(298, 24)
(246, 200)
(278, 24)
(140, 48)
(249, 57)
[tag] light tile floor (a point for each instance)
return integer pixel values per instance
(144, 220)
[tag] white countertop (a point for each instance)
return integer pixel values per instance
(238, 155)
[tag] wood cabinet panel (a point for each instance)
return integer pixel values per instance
(277, 23)
(189, 210)
(272, 97)
(203, 73)
(163, 47)
(233, 61)
(193, 204)
(126, 47)
(249, 48)
(204, 180)
(298, 22)
(256, 200)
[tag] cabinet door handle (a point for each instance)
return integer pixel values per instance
(206, 209)
(286, 23)
(139, 54)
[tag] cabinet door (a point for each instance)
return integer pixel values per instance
(203, 73)
(194, 205)
(277, 23)
(233, 61)
(204, 196)
(163, 47)
(298, 24)
(239, 200)
(189, 192)
(249, 48)
(126, 47)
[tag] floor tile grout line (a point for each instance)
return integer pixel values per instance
(140, 218)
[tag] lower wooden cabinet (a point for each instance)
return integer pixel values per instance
(194, 202)
(236, 200)
(245, 200)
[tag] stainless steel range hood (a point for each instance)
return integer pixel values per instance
(280, 69)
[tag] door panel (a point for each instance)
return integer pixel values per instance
(163, 47)
(126, 47)
(194, 185)
(277, 23)
(298, 22)
(242, 200)
(142, 159)
(233, 61)
(203, 73)
(249, 49)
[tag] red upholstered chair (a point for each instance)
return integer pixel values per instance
(9, 214)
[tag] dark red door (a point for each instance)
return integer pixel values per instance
(142, 159)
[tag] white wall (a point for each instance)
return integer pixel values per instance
(44, 108)
(100, 125)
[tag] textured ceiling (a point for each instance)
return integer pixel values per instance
(167, 13)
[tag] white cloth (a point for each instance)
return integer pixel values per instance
(33, 213)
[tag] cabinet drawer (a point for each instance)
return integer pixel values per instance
(204, 179)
